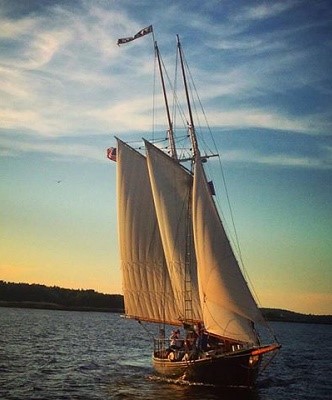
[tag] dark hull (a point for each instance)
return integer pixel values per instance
(237, 369)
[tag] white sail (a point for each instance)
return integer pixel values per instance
(171, 186)
(228, 307)
(146, 285)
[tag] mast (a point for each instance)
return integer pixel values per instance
(170, 132)
(191, 120)
(189, 250)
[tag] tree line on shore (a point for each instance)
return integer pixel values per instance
(54, 297)
(41, 296)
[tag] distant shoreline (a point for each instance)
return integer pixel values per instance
(26, 295)
(279, 315)
(272, 315)
(52, 306)
(23, 295)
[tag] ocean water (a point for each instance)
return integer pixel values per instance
(46, 354)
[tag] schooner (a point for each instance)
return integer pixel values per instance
(177, 263)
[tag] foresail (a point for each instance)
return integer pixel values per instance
(171, 186)
(147, 290)
(228, 307)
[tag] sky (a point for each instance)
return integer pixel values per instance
(263, 73)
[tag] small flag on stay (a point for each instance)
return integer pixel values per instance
(211, 187)
(111, 153)
(139, 34)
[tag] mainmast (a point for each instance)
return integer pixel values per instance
(170, 131)
(188, 306)
(191, 120)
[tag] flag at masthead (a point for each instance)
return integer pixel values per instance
(139, 34)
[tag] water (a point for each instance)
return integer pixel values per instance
(47, 354)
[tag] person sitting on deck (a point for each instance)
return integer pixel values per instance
(190, 347)
(176, 342)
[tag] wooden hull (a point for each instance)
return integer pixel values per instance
(238, 369)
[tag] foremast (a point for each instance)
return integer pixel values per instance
(170, 132)
(191, 126)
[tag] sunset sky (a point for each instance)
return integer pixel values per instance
(263, 72)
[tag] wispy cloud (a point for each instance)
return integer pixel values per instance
(265, 10)
(260, 119)
(53, 148)
(62, 74)
(280, 160)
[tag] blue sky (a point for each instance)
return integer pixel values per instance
(263, 72)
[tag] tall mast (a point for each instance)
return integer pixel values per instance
(188, 306)
(170, 132)
(191, 120)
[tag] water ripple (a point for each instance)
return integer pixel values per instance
(47, 354)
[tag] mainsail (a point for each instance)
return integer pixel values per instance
(229, 309)
(146, 284)
(171, 187)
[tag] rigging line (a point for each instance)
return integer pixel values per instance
(161, 140)
(154, 85)
(154, 95)
(274, 354)
(146, 330)
(236, 242)
(175, 83)
(195, 91)
(176, 104)
(223, 328)
(164, 275)
(248, 280)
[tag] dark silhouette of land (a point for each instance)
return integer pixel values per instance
(276, 314)
(41, 296)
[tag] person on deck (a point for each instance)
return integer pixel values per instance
(175, 339)
(202, 338)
